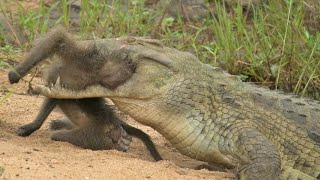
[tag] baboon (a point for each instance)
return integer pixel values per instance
(90, 123)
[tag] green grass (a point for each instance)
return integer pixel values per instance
(7, 52)
(273, 47)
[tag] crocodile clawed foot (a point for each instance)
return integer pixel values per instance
(256, 171)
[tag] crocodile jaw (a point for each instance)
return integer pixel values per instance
(59, 92)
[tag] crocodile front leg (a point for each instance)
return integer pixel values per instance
(263, 157)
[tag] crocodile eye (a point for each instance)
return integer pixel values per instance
(303, 115)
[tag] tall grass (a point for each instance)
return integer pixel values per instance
(6, 52)
(108, 20)
(35, 22)
(272, 47)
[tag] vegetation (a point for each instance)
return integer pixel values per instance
(271, 45)
(7, 52)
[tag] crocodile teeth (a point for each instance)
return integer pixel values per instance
(58, 80)
(57, 86)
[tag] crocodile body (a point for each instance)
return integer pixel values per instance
(212, 116)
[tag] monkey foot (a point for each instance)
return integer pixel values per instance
(121, 138)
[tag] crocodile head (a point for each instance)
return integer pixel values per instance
(157, 69)
(192, 104)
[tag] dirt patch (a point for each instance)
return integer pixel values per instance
(37, 157)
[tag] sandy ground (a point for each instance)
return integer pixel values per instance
(37, 157)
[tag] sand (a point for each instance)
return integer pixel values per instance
(37, 157)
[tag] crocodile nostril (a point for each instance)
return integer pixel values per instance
(131, 40)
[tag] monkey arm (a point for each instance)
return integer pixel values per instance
(55, 42)
(47, 106)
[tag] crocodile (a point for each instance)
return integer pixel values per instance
(210, 115)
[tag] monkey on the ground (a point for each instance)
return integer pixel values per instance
(90, 123)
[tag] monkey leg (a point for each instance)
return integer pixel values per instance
(90, 124)
(84, 138)
(94, 138)
(62, 123)
(47, 106)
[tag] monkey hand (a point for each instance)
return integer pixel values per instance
(14, 77)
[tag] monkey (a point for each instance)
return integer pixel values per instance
(94, 123)
(90, 136)
(90, 122)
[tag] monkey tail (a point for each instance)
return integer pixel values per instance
(145, 139)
